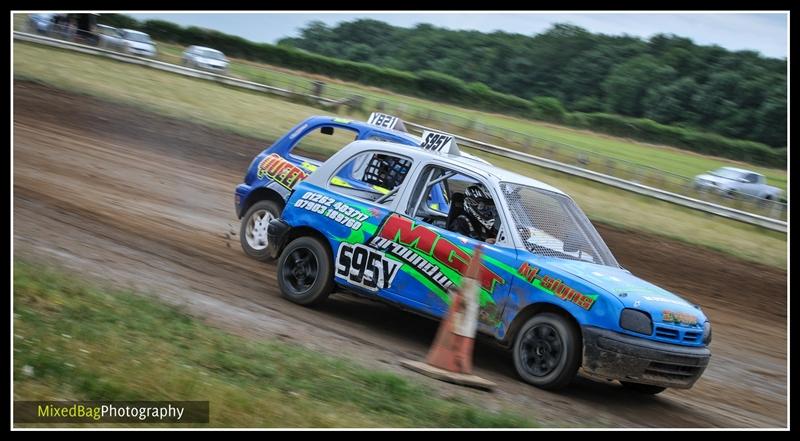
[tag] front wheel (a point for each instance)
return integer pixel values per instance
(547, 351)
(305, 271)
(253, 231)
(645, 389)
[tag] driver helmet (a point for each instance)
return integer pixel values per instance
(480, 205)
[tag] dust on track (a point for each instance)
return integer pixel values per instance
(140, 201)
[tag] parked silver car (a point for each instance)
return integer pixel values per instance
(200, 57)
(109, 38)
(731, 181)
(126, 40)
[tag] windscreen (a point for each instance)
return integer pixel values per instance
(727, 173)
(214, 55)
(551, 224)
(141, 38)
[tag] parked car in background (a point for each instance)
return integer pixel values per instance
(138, 43)
(109, 38)
(127, 40)
(731, 181)
(40, 23)
(200, 57)
(77, 27)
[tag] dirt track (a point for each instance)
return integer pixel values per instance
(136, 200)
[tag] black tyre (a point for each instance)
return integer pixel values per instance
(253, 230)
(305, 271)
(547, 351)
(645, 389)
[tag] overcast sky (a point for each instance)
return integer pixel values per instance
(763, 32)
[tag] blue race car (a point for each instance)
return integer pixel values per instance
(276, 170)
(551, 291)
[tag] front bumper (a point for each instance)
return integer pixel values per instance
(622, 357)
(277, 233)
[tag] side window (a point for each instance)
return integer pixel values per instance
(374, 176)
(469, 210)
(322, 143)
(752, 178)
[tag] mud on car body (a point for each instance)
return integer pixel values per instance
(275, 171)
(551, 291)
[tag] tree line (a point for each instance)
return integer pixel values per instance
(667, 78)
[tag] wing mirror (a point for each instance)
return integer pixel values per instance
(327, 130)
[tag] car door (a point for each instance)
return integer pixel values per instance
(349, 215)
(116, 40)
(752, 186)
(435, 258)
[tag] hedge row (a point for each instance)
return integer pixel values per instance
(442, 87)
(688, 139)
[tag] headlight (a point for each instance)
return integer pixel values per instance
(707, 333)
(636, 321)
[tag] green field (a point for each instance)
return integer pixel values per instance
(263, 116)
(669, 159)
(76, 342)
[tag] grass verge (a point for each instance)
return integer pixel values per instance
(75, 342)
(255, 114)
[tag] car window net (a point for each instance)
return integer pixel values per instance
(386, 171)
(550, 224)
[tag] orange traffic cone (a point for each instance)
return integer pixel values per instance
(450, 356)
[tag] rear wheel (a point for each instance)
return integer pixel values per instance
(645, 389)
(547, 351)
(305, 271)
(253, 231)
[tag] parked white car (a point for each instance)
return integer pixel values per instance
(126, 40)
(200, 57)
(109, 38)
(731, 181)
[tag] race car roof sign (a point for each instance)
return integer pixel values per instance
(386, 121)
(439, 142)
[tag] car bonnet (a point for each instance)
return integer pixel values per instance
(632, 291)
